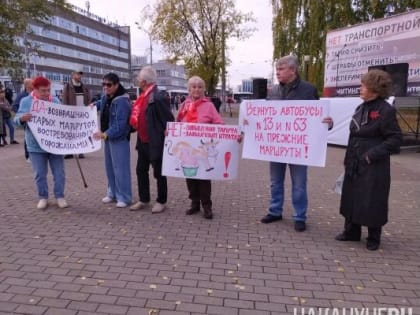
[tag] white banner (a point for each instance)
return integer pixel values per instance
(201, 151)
(64, 129)
(350, 51)
(285, 131)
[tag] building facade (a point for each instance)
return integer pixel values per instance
(169, 76)
(77, 40)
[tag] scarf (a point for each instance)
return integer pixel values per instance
(189, 110)
(35, 96)
(140, 105)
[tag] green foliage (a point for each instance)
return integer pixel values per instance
(300, 27)
(192, 31)
(14, 18)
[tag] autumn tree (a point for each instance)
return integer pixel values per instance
(14, 18)
(194, 31)
(300, 27)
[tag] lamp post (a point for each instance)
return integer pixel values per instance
(223, 64)
(306, 60)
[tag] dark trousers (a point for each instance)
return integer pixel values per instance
(200, 190)
(142, 171)
(353, 230)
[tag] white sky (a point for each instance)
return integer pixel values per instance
(250, 58)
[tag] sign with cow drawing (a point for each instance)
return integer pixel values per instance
(201, 151)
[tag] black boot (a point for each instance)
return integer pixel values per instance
(374, 238)
(352, 232)
(208, 213)
(195, 207)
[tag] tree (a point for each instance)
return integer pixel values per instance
(300, 27)
(193, 31)
(14, 18)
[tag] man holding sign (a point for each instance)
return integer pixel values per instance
(290, 87)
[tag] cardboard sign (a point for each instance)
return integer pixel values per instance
(64, 129)
(201, 151)
(285, 131)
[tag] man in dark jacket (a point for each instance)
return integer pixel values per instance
(290, 87)
(154, 112)
(75, 93)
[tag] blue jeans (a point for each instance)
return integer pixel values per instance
(39, 163)
(117, 168)
(9, 123)
(298, 174)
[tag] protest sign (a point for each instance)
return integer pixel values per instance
(285, 131)
(63, 129)
(201, 151)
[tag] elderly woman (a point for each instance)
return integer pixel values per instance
(115, 109)
(374, 136)
(38, 157)
(198, 109)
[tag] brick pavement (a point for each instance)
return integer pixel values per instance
(93, 258)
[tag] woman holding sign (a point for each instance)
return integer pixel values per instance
(198, 109)
(115, 108)
(38, 157)
(374, 136)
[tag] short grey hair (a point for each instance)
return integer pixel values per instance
(197, 79)
(290, 60)
(147, 74)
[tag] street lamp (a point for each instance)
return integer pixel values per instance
(306, 60)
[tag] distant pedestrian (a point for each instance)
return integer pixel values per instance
(27, 89)
(6, 112)
(75, 93)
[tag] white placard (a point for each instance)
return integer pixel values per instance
(285, 131)
(63, 129)
(201, 151)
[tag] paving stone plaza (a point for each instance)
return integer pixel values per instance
(94, 258)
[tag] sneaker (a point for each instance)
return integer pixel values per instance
(271, 218)
(68, 156)
(121, 204)
(300, 226)
(158, 207)
(139, 205)
(5, 142)
(81, 156)
(14, 142)
(62, 203)
(107, 199)
(42, 204)
(372, 244)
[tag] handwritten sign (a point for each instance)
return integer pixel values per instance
(201, 151)
(285, 131)
(63, 129)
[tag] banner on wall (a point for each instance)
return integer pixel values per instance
(64, 129)
(201, 151)
(285, 131)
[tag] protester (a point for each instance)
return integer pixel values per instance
(27, 84)
(374, 136)
(6, 113)
(290, 87)
(38, 157)
(75, 93)
(149, 117)
(198, 109)
(217, 102)
(114, 107)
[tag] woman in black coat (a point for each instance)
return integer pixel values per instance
(374, 136)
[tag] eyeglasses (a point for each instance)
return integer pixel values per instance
(107, 84)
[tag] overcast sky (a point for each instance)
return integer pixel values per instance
(249, 58)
